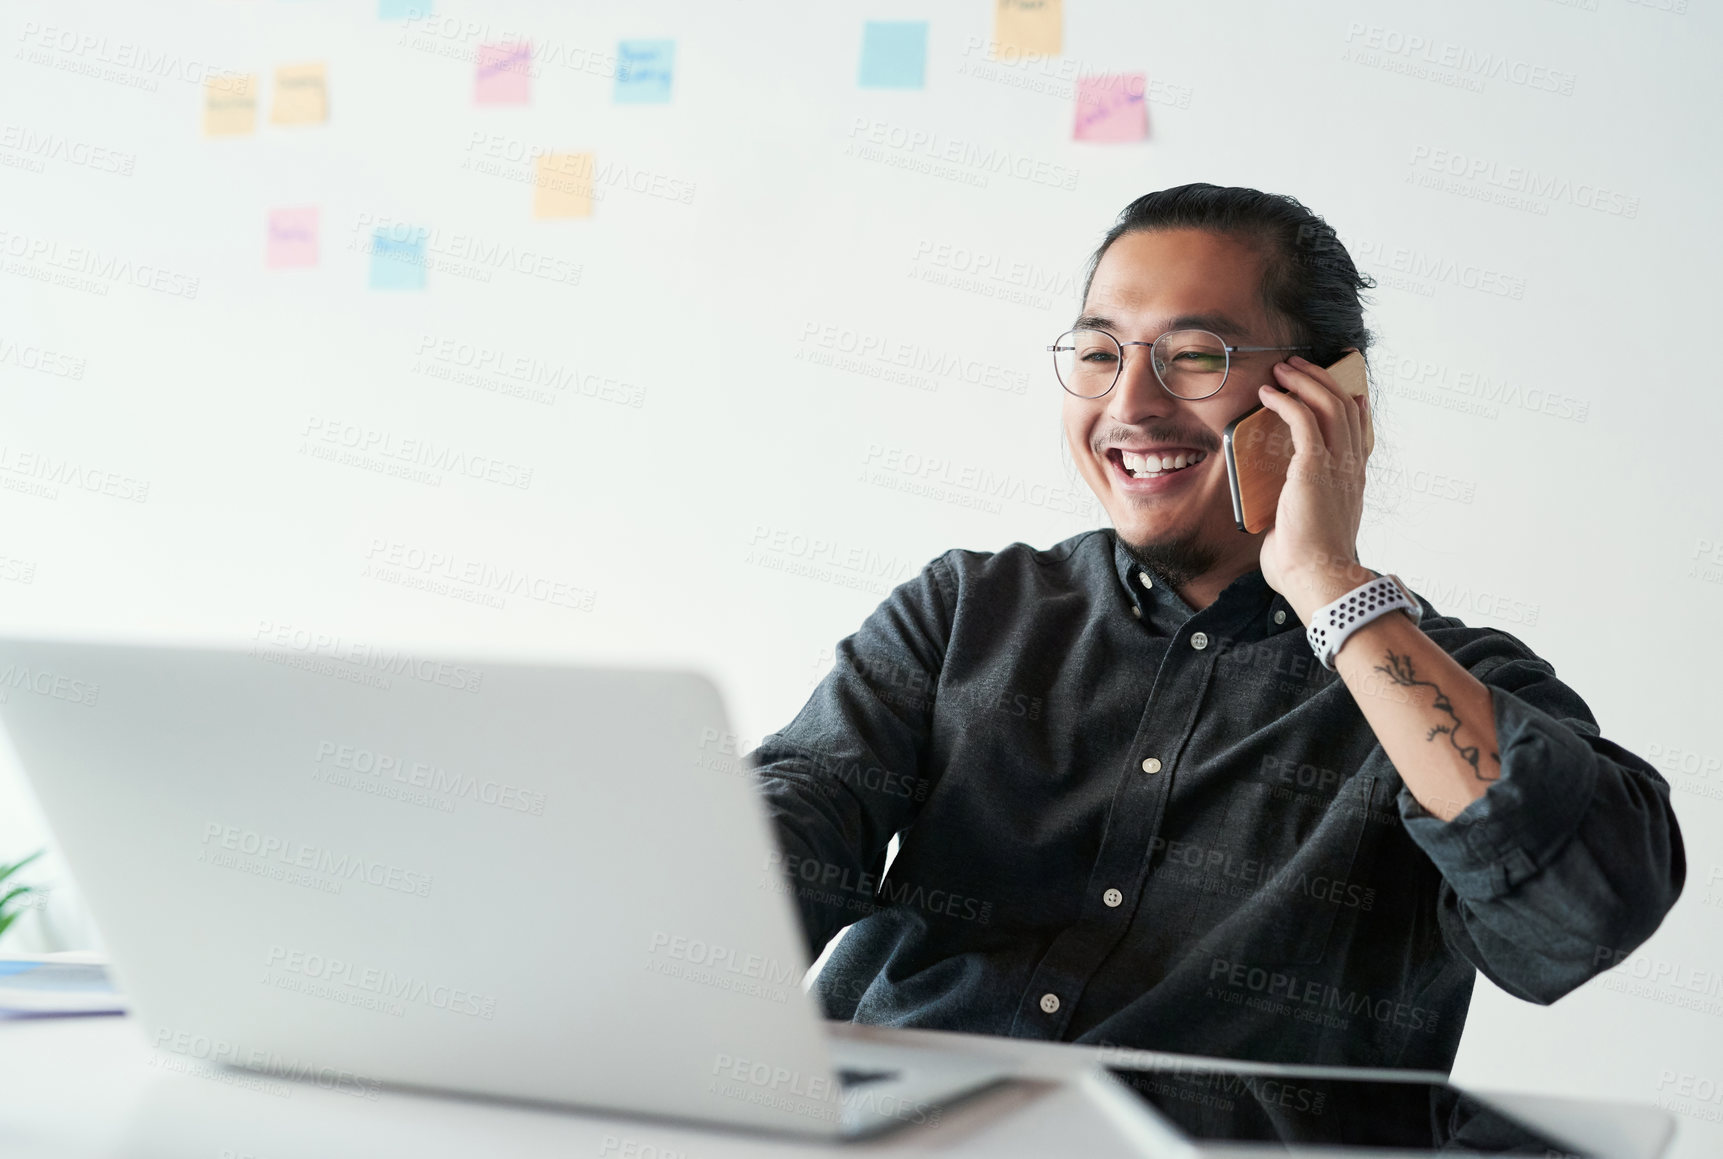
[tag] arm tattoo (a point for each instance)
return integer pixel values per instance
(1399, 670)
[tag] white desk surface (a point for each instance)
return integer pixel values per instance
(77, 1088)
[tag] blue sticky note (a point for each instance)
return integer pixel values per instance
(643, 71)
(403, 9)
(397, 259)
(894, 54)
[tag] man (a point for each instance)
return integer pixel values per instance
(1134, 804)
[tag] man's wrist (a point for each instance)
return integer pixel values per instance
(1320, 584)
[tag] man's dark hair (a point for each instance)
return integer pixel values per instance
(1309, 282)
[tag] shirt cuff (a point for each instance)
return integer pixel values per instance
(1525, 818)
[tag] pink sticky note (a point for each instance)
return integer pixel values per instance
(1111, 108)
(504, 75)
(292, 238)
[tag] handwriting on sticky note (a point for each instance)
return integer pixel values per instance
(292, 238)
(398, 258)
(1112, 108)
(562, 185)
(1027, 26)
(301, 95)
(503, 75)
(644, 70)
(229, 104)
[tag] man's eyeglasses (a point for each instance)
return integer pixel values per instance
(1190, 364)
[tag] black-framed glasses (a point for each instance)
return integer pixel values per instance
(1189, 364)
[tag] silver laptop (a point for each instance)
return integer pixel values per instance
(363, 868)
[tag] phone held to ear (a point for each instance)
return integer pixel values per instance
(1258, 447)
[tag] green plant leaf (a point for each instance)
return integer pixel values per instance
(8, 870)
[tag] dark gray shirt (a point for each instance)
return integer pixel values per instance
(1123, 821)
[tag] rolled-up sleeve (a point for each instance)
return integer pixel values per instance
(1572, 857)
(851, 769)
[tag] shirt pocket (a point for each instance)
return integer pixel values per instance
(1283, 869)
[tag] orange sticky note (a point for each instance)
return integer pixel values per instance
(562, 185)
(301, 95)
(230, 105)
(1025, 26)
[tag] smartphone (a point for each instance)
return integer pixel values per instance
(1258, 448)
(1192, 1110)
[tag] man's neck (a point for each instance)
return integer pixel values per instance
(1199, 593)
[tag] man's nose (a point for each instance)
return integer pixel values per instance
(1138, 395)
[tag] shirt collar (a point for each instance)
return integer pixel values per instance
(1248, 601)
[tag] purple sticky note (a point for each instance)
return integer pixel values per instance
(1111, 108)
(292, 238)
(504, 75)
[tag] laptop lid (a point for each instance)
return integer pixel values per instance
(362, 866)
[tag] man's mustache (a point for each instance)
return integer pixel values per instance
(1202, 440)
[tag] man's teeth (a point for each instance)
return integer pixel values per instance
(1148, 466)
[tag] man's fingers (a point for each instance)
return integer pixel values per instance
(1306, 434)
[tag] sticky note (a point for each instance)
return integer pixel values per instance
(403, 9)
(894, 54)
(292, 239)
(397, 258)
(504, 75)
(562, 185)
(301, 95)
(1023, 26)
(1111, 108)
(643, 71)
(229, 105)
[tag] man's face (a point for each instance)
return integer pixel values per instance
(1146, 284)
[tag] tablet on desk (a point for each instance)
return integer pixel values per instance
(1213, 1112)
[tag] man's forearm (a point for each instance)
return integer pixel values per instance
(1435, 720)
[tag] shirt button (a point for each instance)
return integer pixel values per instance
(1050, 1003)
(1146, 581)
(1152, 765)
(1199, 641)
(1112, 897)
(1280, 616)
(1136, 611)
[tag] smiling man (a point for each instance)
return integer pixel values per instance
(1177, 787)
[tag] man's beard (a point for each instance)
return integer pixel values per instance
(1178, 560)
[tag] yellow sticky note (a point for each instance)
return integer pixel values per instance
(562, 185)
(301, 95)
(1021, 26)
(230, 105)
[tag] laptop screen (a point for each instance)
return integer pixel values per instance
(1216, 1105)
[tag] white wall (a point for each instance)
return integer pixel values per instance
(1584, 536)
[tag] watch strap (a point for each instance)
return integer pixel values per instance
(1333, 622)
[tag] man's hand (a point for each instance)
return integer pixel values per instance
(1310, 555)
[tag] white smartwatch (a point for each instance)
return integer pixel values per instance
(1331, 624)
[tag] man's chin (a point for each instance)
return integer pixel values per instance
(1179, 555)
